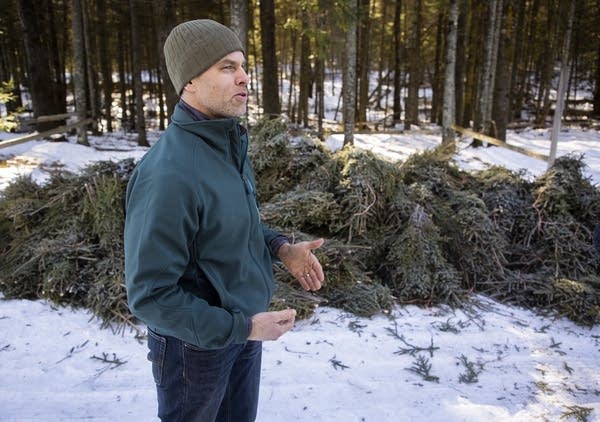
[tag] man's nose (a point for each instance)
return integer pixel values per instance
(243, 77)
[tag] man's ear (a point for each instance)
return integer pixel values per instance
(190, 87)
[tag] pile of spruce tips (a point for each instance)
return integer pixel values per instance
(419, 232)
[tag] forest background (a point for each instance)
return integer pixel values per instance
(480, 64)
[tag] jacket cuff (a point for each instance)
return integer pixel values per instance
(276, 243)
(249, 325)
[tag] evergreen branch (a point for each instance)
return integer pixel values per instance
(337, 364)
(73, 350)
(422, 367)
(473, 370)
(413, 350)
(578, 412)
(114, 361)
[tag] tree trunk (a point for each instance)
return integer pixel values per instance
(519, 62)
(476, 24)
(320, 88)
(415, 65)
(42, 86)
(562, 85)
(437, 95)
(596, 99)
(57, 68)
(483, 122)
(239, 21)
(271, 103)
(501, 99)
(291, 104)
(529, 62)
(460, 66)
(597, 84)
(105, 65)
(384, 66)
(254, 75)
(364, 58)
(154, 63)
(397, 111)
(122, 80)
(499, 21)
(449, 112)
(349, 75)
(79, 69)
(140, 123)
(546, 66)
(91, 68)
(321, 48)
(11, 57)
(166, 21)
(305, 71)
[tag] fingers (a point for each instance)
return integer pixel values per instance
(318, 273)
(272, 325)
(304, 265)
(313, 277)
(305, 282)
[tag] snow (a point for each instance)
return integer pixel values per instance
(58, 364)
(571, 141)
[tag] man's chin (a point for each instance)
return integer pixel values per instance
(237, 113)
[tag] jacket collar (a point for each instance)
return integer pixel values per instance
(225, 135)
(195, 114)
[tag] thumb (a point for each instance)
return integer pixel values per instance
(315, 244)
(285, 315)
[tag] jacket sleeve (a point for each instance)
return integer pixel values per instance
(160, 225)
(274, 241)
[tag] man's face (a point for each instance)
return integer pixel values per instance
(221, 91)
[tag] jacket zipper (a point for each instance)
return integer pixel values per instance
(251, 199)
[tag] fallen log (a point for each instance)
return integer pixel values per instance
(498, 142)
(38, 135)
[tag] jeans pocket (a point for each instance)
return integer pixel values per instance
(158, 346)
(194, 348)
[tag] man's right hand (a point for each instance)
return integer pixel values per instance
(271, 325)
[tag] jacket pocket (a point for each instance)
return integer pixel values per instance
(157, 345)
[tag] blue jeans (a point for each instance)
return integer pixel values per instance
(199, 385)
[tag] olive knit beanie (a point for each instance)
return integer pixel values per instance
(194, 46)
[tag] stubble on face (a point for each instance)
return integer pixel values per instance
(222, 105)
(221, 91)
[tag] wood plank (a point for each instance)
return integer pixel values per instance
(50, 118)
(37, 135)
(498, 142)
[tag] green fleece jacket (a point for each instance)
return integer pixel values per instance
(192, 219)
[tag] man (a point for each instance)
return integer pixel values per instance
(198, 261)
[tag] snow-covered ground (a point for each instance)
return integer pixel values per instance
(494, 362)
(58, 365)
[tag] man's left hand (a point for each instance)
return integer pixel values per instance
(303, 264)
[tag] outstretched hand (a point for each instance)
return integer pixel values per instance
(303, 264)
